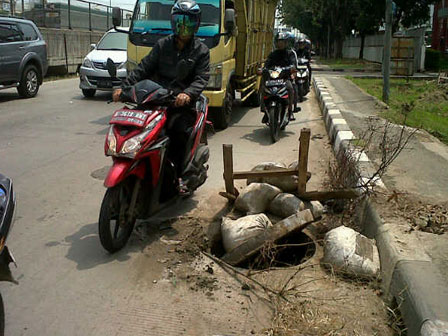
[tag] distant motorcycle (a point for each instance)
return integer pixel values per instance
(303, 78)
(7, 208)
(142, 179)
(276, 99)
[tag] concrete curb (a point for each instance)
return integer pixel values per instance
(409, 277)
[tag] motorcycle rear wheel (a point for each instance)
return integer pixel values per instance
(115, 225)
(274, 125)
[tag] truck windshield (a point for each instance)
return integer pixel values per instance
(153, 17)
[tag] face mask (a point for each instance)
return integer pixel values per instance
(184, 25)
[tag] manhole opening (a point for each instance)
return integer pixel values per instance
(291, 250)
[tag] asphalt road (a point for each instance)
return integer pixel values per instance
(52, 147)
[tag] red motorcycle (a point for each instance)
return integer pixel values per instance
(142, 179)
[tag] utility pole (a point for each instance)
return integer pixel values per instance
(387, 52)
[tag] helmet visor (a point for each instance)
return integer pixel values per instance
(184, 25)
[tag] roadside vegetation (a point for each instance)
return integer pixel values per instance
(428, 103)
(345, 63)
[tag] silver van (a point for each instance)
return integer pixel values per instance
(23, 56)
(93, 74)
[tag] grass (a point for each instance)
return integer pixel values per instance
(345, 63)
(430, 101)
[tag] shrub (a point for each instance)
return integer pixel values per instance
(432, 59)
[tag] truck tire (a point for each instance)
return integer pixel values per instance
(223, 115)
(29, 83)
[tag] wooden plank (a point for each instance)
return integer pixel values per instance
(227, 151)
(242, 175)
(295, 222)
(328, 195)
(230, 197)
(305, 135)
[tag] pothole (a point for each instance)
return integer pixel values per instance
(293, 249)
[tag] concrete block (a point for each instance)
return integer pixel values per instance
(340, 137)
(334, 122)
(422, 296)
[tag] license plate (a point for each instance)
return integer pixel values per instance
(130, 118)
(274, 82)
(105, 83)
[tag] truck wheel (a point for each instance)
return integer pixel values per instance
(223, 115)
(29, 83)
(88, 93)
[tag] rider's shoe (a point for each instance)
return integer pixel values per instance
(297, 109)
(265, 119)
(291, 117)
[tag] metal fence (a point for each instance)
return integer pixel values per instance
(69, 14)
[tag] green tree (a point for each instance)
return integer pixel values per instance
(410, 13)
(369, 17)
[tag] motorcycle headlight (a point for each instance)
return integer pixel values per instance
(87, 63)
(133, 145)
(274, 74)
(111, 142)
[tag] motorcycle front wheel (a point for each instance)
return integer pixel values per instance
(274, 124)
(115, 225)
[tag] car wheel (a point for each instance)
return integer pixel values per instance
(29, 83)
(88, 93)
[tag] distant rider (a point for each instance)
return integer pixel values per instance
(282, 57)
(303, 51)
(160, 65)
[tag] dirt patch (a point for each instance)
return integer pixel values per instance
(305, 300)
(422, 215)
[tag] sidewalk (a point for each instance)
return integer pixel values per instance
(414, 263)
(320, 68)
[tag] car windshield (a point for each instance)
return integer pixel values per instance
(113, 41)
(154, 17)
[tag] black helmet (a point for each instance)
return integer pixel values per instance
(185, 17)
(281, 36)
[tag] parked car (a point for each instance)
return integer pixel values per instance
(93, 74)
(23, 56)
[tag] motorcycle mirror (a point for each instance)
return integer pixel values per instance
(111, 68)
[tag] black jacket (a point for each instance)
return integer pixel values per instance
(161, 64)
(303, 53)
(280, 57)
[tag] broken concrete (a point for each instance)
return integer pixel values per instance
(285, 205)
(293, 223)
(285, 183)
(349, 252)
(237, 232)
(256, 197)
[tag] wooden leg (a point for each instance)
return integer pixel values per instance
(305, 135)
(228, 169)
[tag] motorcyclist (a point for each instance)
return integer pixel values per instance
(282, 56)
(291, 45)
(181, 49)
(303, 51)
